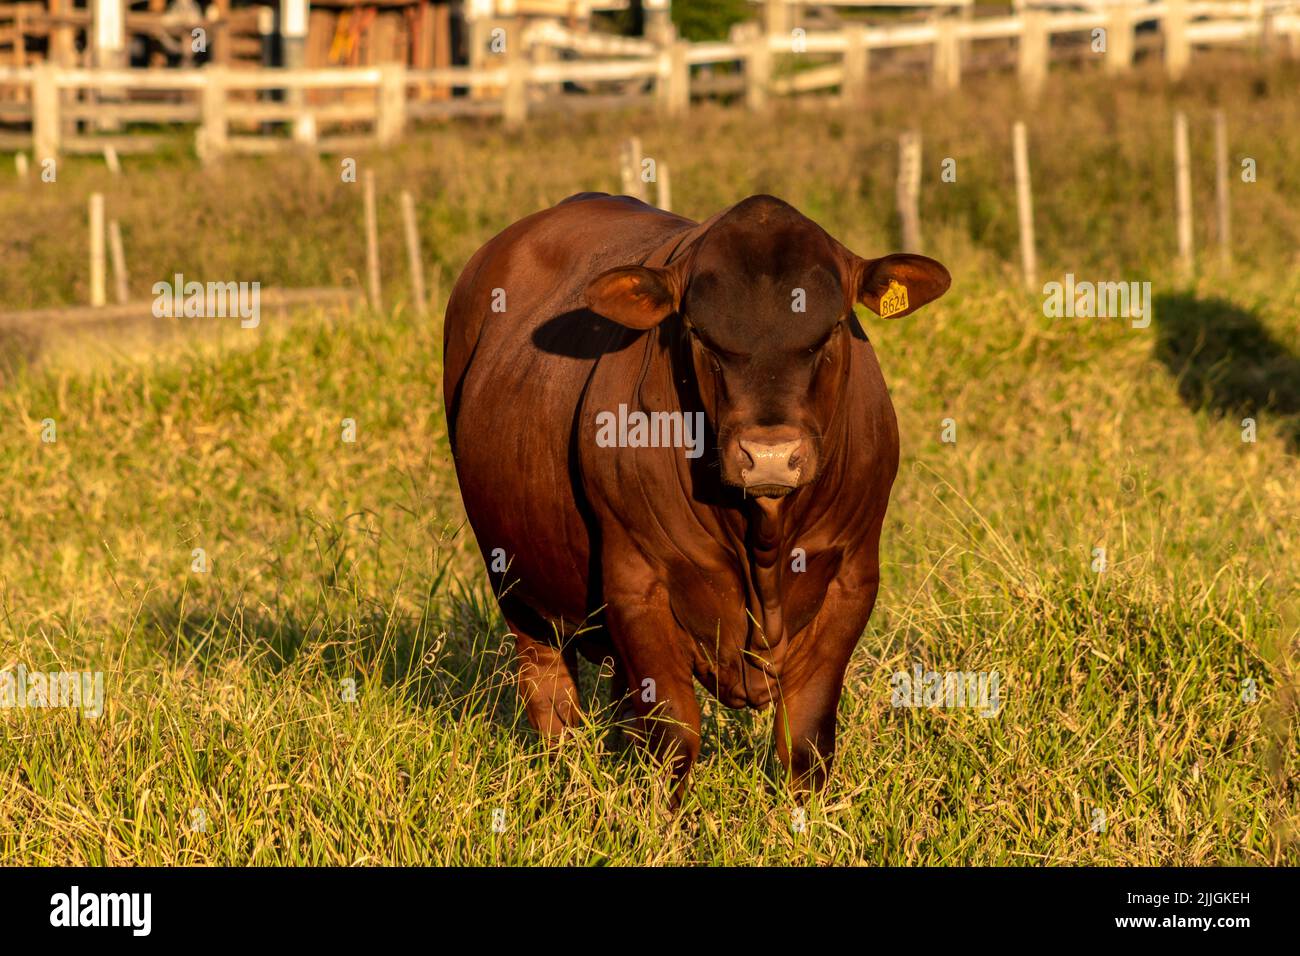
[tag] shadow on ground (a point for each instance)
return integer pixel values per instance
(452, 655)
(1226, 363)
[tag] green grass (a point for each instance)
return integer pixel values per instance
(330, 561)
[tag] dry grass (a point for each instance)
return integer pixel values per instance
(1122, 691)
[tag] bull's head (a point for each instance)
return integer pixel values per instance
(766, 298)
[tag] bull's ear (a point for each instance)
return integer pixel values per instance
(635, 296)
(900, 284)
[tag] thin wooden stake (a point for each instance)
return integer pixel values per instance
(908, 191)
(111, 160)
(413, 257)
(20, 164)
(1025, 206)
(372, 242)
(1221, 186)
(630, 168)
(98, 297)
(1183, 192)
(664, 188)
(118, 256)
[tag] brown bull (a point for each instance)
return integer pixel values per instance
(679, 432)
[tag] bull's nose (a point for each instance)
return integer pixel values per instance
(771, 464)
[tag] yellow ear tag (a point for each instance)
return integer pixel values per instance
(894, 300)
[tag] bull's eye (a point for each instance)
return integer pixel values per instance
(703, 346)
(822, 350)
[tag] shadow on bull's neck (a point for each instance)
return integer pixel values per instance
(1225, 362)
(582, 334)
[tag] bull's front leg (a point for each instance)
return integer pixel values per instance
(810, 686)
(654, 654)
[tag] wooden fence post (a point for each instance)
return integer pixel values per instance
(1035, 43)
(663, 79)
(214, 134)
(1177, 49)
(1119, 39)
(514, 104)
(908, 192)
(98, 295)
(946, 65)
(413, 257)
(1267, 32)
(678, 94)
(776, 17)
(304, 121)
(853, 88)
(758, 72)
(658, 22)
(372, 242)
(663, 188)
(1025, 206)
(390, 114)
(1221, 187)
(46, 124)
(1183, 194)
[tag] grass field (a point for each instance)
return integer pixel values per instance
(229, 734)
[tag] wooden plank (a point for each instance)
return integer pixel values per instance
(270, 111)
(579, 71)
(135, 112)
(197, 79)
(806, 81)
(125, 144)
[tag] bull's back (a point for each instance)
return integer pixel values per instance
(519, 347)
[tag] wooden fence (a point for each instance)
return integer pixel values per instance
(344, 109)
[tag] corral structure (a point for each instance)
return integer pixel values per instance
(338, 75)
(293, 33)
